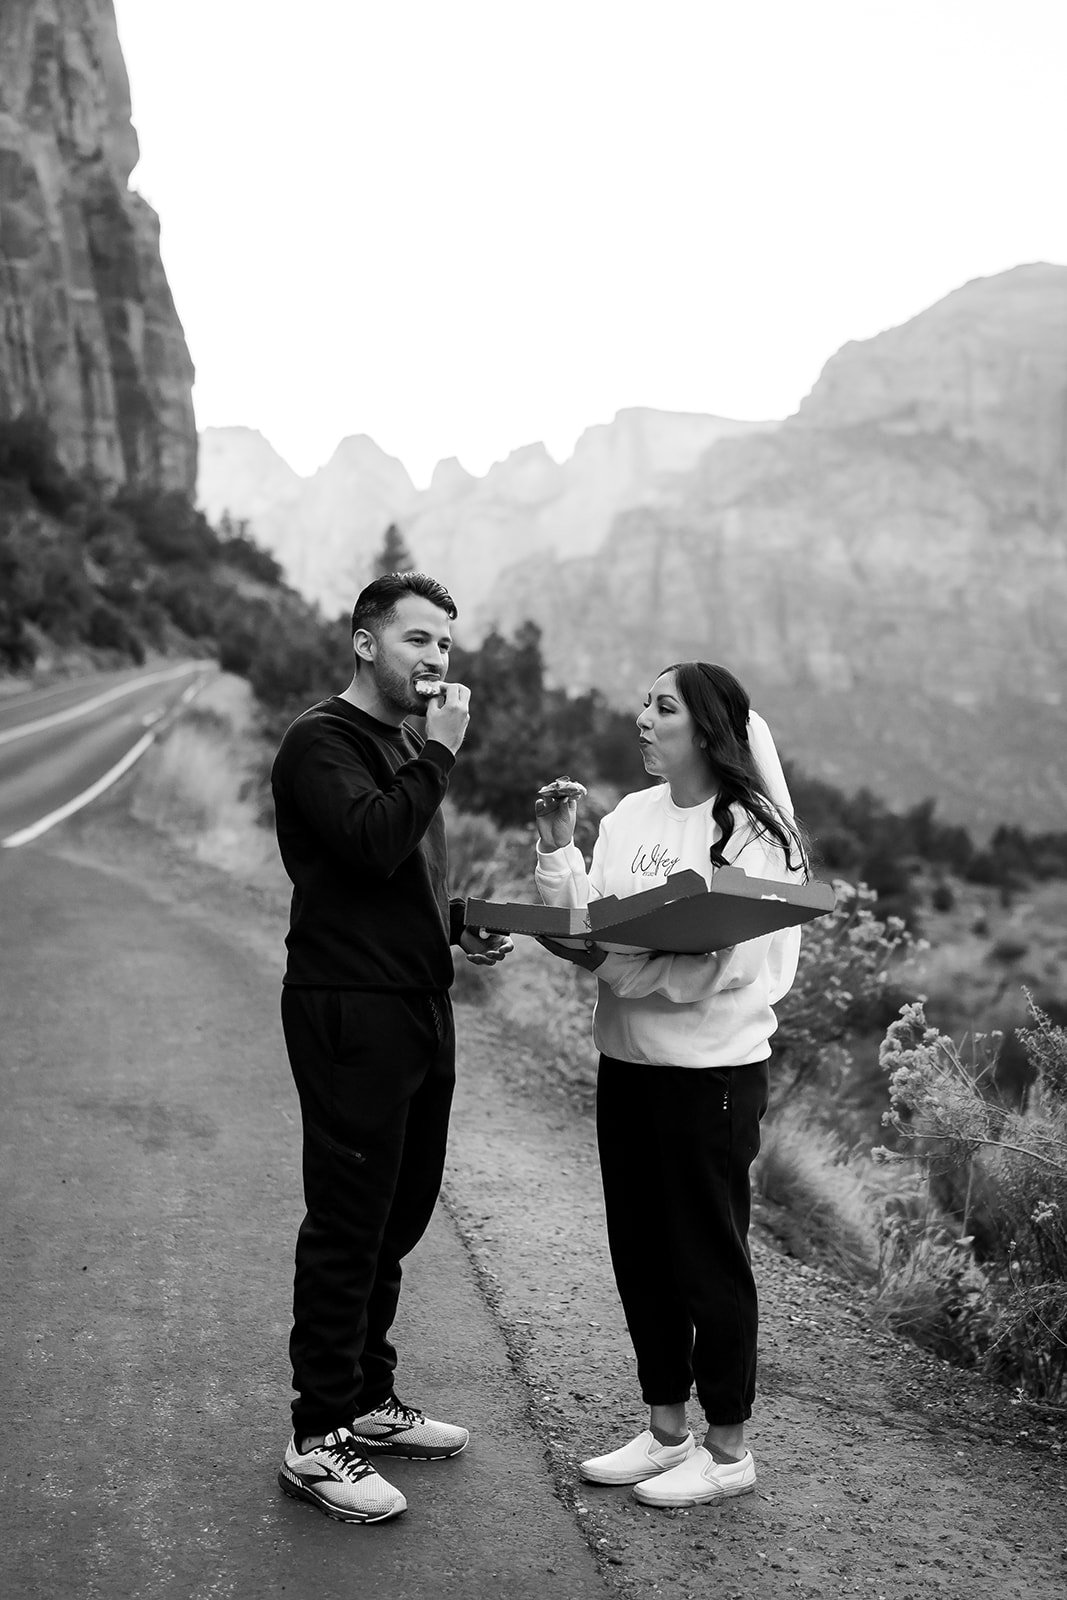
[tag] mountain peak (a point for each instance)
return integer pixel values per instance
(450, 476)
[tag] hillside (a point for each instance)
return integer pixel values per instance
(94, 580)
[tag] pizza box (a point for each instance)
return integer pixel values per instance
(681, 916)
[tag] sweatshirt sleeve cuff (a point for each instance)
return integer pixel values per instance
(439, 754)
(559, 863)
(456, 919)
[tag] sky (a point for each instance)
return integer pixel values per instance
(460, 226)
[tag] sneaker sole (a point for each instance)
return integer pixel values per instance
(310, 1498)
(618, 1483)
(406, 1452)
(695, 1499)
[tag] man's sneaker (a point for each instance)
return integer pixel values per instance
(338, 1478)
(644, 1457)
(392, 1429)
(700, 1478)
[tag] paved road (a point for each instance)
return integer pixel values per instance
(150, 1195)
(59, 746)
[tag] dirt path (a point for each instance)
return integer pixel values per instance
(882, 1471)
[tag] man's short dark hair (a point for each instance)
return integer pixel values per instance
(376, 605)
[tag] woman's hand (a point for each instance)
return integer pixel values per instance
(556, 812)
(589, 957)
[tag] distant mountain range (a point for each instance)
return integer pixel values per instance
(326, 529)
(886, 569)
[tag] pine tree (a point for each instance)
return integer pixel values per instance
(394, 555)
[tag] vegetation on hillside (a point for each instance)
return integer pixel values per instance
(111, 578)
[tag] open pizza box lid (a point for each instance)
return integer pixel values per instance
(681, 916)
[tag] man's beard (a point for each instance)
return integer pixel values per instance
(397, 691)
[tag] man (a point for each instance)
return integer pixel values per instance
(368, 1029)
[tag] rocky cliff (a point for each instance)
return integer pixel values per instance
(89, 336)
(887, 570)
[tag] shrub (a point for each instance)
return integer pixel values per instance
(1008, 951)
(244, 555)
(473, 849)
(169, 526)
(28, 457)
(931, 1290)
(943, 897)
(994, 1261)
(847, 967)
(108, 629)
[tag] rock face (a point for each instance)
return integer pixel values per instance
(985, 366)
(465, 530)
(89, 338)
(324, 530)
(531, 503)
(887, 571)
(241, 473)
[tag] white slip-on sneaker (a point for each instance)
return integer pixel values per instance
(700, 1478)
(644, 1457)
(336, 1477)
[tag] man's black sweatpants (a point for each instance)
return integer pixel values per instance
(374, 1071)
(676, 1145)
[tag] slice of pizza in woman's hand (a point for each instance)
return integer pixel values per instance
(552, 795)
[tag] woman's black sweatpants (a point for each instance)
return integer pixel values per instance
(676, 1145)
(375, 1073)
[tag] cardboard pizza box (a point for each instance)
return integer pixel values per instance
(681, 916)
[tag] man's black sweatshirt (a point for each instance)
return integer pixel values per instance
(357, 808)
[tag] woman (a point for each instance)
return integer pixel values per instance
(683, 1080)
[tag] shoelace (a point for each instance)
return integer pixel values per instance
(405, 1414)
(348, 1456)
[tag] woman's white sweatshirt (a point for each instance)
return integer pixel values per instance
(679, 1010)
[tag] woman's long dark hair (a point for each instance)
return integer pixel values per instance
(719, 707)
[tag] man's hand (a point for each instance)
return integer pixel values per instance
(556, 812)
(483, 948)
(589, 957)
(448, 714)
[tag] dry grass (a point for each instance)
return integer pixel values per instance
(805, 1169)
(194, 785)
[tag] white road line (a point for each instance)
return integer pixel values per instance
(58, 717)
(35, 829)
